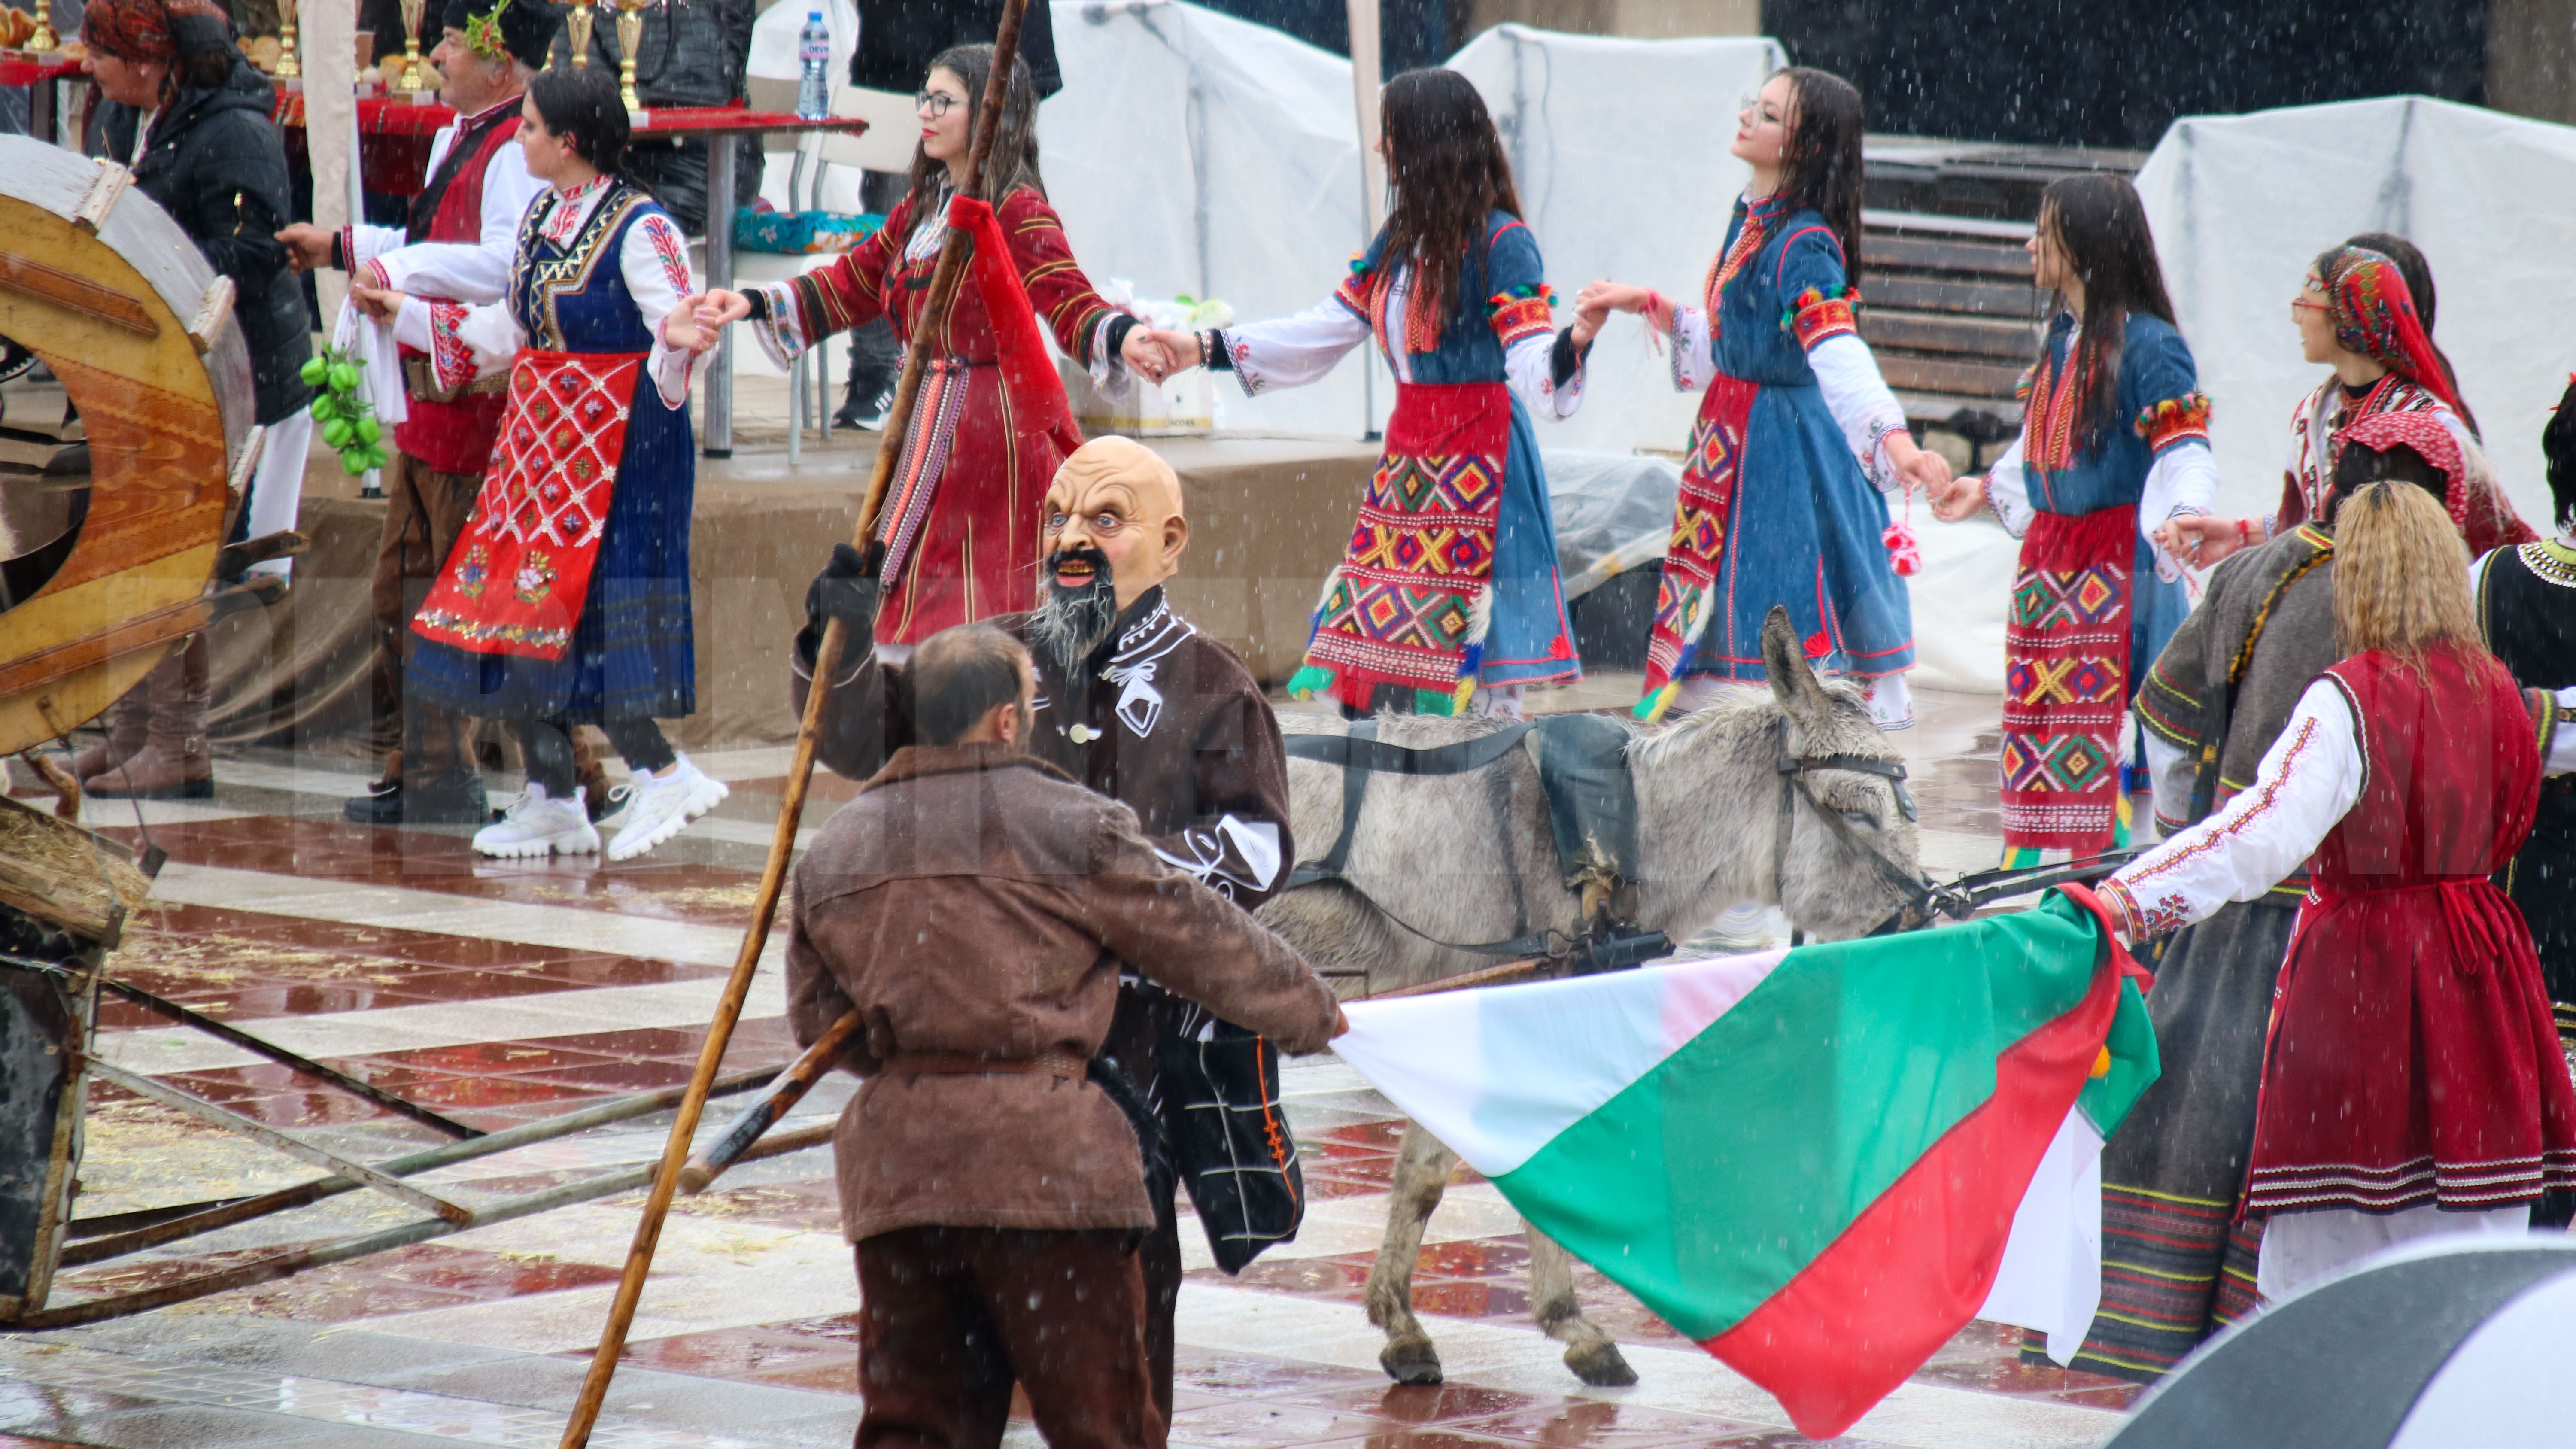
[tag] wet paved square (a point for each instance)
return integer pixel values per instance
(506, 992)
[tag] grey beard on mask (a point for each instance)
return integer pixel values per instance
(1074, 622)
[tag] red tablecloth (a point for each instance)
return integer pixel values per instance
(27, 68)
(394, 134)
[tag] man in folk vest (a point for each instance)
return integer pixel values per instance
(459, 247)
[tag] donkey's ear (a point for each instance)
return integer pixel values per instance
(1785, 662)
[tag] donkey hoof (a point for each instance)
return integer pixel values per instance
(1416, 1362)
(1600, 1366)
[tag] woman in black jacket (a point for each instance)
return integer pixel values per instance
(207, 152)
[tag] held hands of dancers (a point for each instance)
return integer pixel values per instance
(1594, 304)
(1957, 499)
(2202, 540)
(1149, 354)
(1918, 465)
(1179, 351)
(377, 302)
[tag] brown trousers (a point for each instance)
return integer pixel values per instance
(949, 1317)
(425, 511)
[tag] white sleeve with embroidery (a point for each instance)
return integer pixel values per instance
(1862, 406)
(2309, 779)
(1295, 350)
(2007, 493)
(463, 342)
(1693, 368)
(655, 262)
(2183, 482)
(1529, 366)
(476, 271)
(1108, 369)
(361, 243)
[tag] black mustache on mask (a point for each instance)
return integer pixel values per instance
(1075, 618)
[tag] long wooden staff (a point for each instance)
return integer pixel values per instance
(800, 769)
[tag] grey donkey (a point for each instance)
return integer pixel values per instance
(1472, 858)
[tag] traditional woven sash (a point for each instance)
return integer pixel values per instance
(516, 581)
(1411, 601)
(2066, 674)
(1707, 499)
(924, 461)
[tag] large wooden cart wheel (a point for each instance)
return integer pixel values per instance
(102, 285)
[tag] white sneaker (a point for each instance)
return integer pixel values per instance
(536, 825)
(664, 805)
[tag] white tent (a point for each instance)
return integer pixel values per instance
(2242, 204)
(1192, 153)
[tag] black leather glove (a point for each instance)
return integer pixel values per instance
(847, 590)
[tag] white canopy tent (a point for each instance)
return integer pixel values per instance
(2242, 204)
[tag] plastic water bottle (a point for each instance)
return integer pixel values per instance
(814, 57)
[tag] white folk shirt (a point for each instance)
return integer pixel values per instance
(2309, 780)
(653, 261)
(1298, 349)
(470, 272)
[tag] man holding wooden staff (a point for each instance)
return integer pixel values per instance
(1133, 702)
(975, 908)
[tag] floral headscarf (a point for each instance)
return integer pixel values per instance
(2374, 315)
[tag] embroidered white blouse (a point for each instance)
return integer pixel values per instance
(2308, 782)
(465, 342)
(1295, 350)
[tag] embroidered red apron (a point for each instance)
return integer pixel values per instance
(1411, 601)
(1683, 603)
(517, 579)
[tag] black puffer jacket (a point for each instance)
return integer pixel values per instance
(216, 163)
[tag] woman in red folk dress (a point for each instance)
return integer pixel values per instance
(990, 425)
(2412, 1084)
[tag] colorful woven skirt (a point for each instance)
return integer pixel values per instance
(1412, 601)
(2066, 680)
(516, 580)
(1701, 514)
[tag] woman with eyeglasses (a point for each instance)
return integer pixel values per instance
(962, 517)
(2364, 309)
(1448, 594)
(1777, 502)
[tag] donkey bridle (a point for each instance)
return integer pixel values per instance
(1793, 769)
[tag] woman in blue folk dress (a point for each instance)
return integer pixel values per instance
(566, 599)
(2114, 448)
(1775, 505)
(1448, 593)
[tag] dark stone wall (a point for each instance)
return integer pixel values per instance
(2081, 72)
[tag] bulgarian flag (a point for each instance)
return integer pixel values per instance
(1821, 1162)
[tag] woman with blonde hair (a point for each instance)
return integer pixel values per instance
(2412, 1083)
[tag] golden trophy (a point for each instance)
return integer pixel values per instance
(413, 79)
(630, 35)
(577, 25)
(44, 37)
(288, 67)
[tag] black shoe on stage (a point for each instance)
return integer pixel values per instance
(455, 801)
(865, 410)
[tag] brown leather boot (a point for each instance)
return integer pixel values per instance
(126, 722)
(176, 763)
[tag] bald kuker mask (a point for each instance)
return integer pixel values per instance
(1118, 498)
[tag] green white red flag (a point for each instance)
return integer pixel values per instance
(1820, 1163)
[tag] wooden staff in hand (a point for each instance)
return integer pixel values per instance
(800, 770)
